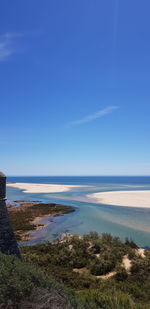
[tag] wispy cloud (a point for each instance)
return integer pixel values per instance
(7, 44)
(92, 117)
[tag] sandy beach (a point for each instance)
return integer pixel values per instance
(41, 188)
(123, 198)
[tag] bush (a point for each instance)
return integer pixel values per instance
(101, 267)
(121, 273)
(92, 236)
(18, 280)
(96, 247)
(106, 300)
(58, 262)
(131, 254)
(131, 243)
(140, 268)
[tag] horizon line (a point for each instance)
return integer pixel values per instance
(92, 175)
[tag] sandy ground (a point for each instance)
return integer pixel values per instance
(41, 188)
(126, 263)
(123, 198)
(141, 252)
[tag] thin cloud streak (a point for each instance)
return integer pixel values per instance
(92, 117)
(7, 46)
(8, 42)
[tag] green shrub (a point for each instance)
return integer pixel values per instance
(121, 273)
(131, 254)
(101, 267)
(95, 299)
(130, 243)
(18, 280)
(96, 248)
(91, 236)
(58, 262)
(137, 265)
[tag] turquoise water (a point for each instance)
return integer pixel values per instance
(119, 221)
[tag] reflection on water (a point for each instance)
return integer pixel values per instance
(119, 221)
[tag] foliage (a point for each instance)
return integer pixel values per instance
(131, 243)
(78, 253)
(109, 299)
(141, 267)
(19, 279)
(97, 255)
(102, 266)
(121, 273)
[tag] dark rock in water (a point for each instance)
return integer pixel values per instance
(8, 243)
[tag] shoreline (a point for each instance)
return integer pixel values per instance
(132, 198)
(30, 216)
(137, 199)
(42, 188)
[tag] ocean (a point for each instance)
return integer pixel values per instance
(122, 222)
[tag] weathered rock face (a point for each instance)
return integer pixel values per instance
(8, 243)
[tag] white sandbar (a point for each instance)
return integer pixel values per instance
(123, 198)
(41, 188)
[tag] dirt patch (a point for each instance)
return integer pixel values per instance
(82, 270)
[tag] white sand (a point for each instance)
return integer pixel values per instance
(141, 252)
(126, 262)
(41, 188)
(123, 198)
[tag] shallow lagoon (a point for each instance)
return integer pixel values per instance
(119, 221)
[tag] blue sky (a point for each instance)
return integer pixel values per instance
(74, 87)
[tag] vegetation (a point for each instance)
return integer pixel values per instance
(19, 280)
(78, 264)
(95, 299)
(99, 255)
(23, 216)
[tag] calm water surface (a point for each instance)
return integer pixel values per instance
(119, 221)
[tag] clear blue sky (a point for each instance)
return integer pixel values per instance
(75, 87)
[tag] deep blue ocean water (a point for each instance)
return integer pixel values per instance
(133, 223)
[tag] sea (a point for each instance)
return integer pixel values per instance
(122, 222)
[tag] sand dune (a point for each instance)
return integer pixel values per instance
(123, 198)
(42, 188)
